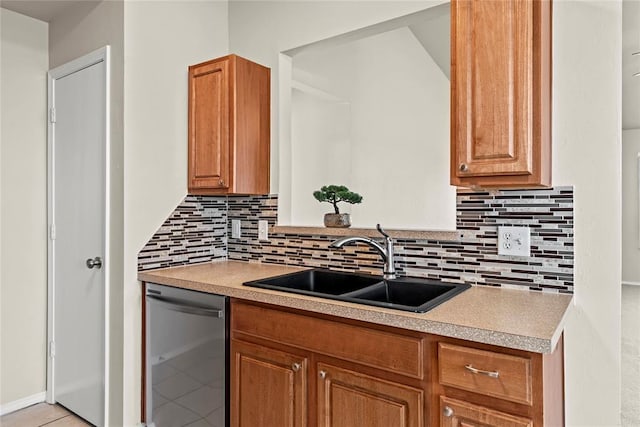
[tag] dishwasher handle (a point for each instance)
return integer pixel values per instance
(184, 306)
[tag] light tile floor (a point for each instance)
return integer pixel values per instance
(188, 390)
(42, 414)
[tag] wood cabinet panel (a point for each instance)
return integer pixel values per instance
(501, 93)
(402, 354)
(209, 126)
(229, 127)
(349, 376)
(347, 398)
(252, 118)
(269, 387)
(486, 372)
(457, 413)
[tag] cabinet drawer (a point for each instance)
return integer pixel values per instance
(391, 352)
(459, 413)
(486, 372)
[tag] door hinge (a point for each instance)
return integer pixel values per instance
(52, 115)
(52, 349)
(52, 232)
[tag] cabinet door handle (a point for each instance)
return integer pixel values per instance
(447, 412)
(492, 374)
(323, 374)
(296, 367)
(464, 167)
(221, 183)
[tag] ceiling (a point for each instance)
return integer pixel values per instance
(48, 10)
(44, 10)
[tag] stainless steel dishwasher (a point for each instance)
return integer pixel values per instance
(186, 358)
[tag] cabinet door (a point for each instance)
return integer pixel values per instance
(348, 398)
(209, 141)
(457, 413)
(268, 387)
(500, 92)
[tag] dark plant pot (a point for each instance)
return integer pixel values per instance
(334, 220)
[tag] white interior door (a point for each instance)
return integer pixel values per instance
(77, 206)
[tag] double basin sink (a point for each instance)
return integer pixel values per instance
(406, 294)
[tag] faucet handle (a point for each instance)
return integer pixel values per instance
(381, 230)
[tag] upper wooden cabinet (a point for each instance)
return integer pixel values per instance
(229, 127)
(501, 93)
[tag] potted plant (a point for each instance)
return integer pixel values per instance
(335, 194)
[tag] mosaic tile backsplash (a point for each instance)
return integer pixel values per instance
(195, 232)
(473, 259)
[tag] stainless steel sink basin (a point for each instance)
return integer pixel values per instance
(415, 295)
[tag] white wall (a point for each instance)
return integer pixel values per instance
(162, 38)
(23, 206)
(630, 64)
(630, 203)
(630, 356)
(406, 160)
(395, 151)
(587, 148)
(260, 30)
(83, 28)
(321, 154)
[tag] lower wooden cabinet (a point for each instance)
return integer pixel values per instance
(291, 368)
(456, 413)
(269, 387)
(348, 398)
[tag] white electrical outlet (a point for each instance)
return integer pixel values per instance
(514, 241)
(263, 230)
(236, 230)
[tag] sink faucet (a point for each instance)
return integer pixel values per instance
(386, 251)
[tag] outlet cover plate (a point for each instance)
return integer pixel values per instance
(514, 241)
(263, 230)
(236, 229)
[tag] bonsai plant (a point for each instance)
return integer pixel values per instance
(335, 194)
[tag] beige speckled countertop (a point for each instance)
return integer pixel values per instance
(524, 320)
(369, 232)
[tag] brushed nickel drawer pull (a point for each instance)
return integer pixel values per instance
(296, 367)
(492, 374)
(323, 374)
(447, 412)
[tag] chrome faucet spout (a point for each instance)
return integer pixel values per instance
(386, 251)
(354, 239)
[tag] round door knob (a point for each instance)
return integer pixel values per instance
(94, 263)
(323, 374)
(296, 367)
(464, 167)
(221, 183)
(447, 412)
